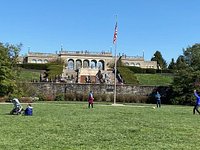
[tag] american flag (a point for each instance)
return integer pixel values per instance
(115, 34)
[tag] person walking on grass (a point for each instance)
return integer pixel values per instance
(158, 100)
(90, 99)
(197, 104)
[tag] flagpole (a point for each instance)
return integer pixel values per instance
(115, 67)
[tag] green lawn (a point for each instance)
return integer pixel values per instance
(154, 79)
(57, 126)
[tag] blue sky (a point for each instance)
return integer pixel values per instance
(143, 25)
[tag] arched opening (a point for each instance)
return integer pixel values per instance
(39, 61)
(101, 65)
(78, 64)
(46, 61)
(34, 61)
(93, 64)
(137, 65)
(86, 64)
(71, 64)
(132, 64)
(126, 63)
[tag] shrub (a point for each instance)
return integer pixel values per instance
(101, 97)
(26, 99)
(41, 98)
(79, 97)
(70, 97)
(97, 97)
(60, 97)
(104, 97)
(151, 71)
(27, 90)
(130, 98)
(4, 99)
(46, 97)
(135, 69)
(50, 98)
(170, 71)
(33, 66)
(111, 96)
(75, 96)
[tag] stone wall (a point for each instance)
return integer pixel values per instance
(61, 88)
(103, 92)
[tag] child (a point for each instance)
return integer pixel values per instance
(90, 99)
(17, 107)
(29, 110)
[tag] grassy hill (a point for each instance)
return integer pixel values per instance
(128, 76)
(145, 79)
(29, 75)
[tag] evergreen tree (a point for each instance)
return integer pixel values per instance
(192, 56)
(172, 64)
(187, 77)
(119, 62)
(160, 60)
(181, 63)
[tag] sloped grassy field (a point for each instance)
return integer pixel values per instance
(29, 75)
(64, 126)
(144, 79)
(154, 79)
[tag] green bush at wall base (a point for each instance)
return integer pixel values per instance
(122, 98)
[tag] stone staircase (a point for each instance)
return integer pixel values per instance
(70, 76)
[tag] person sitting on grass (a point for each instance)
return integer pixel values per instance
(29, 110)
(17, 107)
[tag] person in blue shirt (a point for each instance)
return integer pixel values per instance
(197, 103)
(29, 110)
(158, 100)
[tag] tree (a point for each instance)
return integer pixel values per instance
(8, 73)
(187, 77)
(192, 55)
(172, 64)
(55, 69)
(160, 60)
(185, 81)
(119, 62)
(181, 63)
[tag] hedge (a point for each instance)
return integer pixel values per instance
(34, 66)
